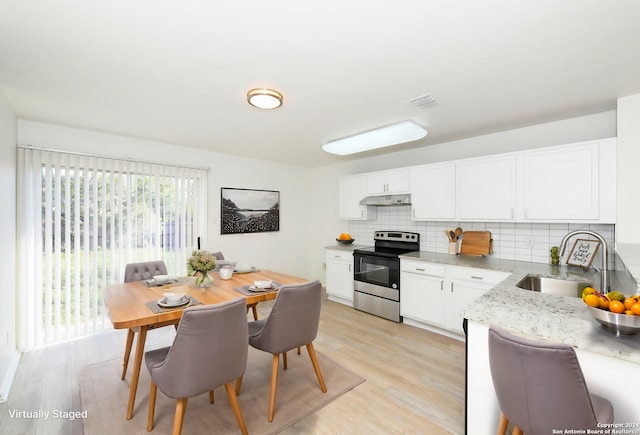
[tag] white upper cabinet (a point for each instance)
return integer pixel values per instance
(353, 189)
(487, 188)
(433, 191)
(569, 183)
(387, 182)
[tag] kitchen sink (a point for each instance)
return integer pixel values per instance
(554, 286)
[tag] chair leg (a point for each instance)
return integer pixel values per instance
(284, 360)
(316, 366)
(238, 385)
(502, 426)
(152, 405)
(274, 386)
(517, 431)
(211, 396)
(298, 350)
(181, 407)
(127, 352)
(236, 407)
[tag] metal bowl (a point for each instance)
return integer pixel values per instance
(619, 324)
(345, 242)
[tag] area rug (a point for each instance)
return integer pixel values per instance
(104, 396)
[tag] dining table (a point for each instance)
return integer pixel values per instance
(137, 305)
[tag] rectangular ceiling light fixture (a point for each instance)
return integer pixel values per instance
(405, 131)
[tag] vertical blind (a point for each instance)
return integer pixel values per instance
(81, 219)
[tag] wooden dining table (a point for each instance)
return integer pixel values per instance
(127, 306)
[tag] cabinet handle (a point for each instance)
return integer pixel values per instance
(477, 277)
(442, 284)
(361, 213)
(420, 269)
(349, 268)
(451, 287)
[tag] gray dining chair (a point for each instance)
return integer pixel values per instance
(292, 322)
(209, 350)
(540, 386)
(138, 272)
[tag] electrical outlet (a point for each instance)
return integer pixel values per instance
(528, 242)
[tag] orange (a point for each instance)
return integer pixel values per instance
(635, 309)
(344, 236)
(588, 291)
(629, 302)
(616, 307)
(592, 300)
(603, 302)
(628, 312)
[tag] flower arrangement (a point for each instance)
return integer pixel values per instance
(199, 265)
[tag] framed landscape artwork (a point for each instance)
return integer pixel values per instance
(249, 210)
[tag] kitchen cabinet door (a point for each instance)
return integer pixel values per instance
(422, 295)
(433, 191)
(353, 188)
(561, 183)
(486, 188)
(388, 182)
(464, 286)
(339, 276)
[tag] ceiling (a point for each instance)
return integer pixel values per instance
(178, 71)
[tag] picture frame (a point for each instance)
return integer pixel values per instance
(583, 252)
(249, 210)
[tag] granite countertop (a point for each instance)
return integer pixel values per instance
(539, 315)
(345, 247)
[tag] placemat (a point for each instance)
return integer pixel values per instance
(245, 289)
(157, 309)
(171, 282)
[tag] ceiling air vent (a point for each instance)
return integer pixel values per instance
(423, 101)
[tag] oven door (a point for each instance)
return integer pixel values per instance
(379, 271)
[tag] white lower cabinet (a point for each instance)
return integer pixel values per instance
(422, 294)
(339, 275)
(436, 295)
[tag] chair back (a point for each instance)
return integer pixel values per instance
(293, 320)
(209, 349)
(145, 270)
(539, 385)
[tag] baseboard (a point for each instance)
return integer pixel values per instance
(8, 377)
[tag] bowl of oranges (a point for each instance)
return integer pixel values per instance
(618, 313)
(345, 238)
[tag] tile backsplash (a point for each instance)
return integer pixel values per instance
(511, 241)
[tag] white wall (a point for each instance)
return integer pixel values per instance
(8, 354)
(627, 228)
(285, 250)
(325, 182)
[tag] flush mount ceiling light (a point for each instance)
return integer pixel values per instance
(405, 131)
(263, 98)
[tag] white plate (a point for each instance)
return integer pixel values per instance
(163, 302)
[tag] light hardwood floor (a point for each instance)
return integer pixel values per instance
(414, 378)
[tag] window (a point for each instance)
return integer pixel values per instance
(81, 219)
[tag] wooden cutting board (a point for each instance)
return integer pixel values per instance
(476, 243)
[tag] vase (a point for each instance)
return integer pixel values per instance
(203, 279)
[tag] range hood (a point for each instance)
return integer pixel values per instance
(403, 199)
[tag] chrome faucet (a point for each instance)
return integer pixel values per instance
(604, 276)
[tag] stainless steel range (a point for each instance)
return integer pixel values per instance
(376, 276)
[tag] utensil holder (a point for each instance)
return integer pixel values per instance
(453, 248)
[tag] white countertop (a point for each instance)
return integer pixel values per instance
(543, 316)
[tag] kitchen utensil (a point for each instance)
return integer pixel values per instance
(476, 243)
(452, 235)
(458, 233)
